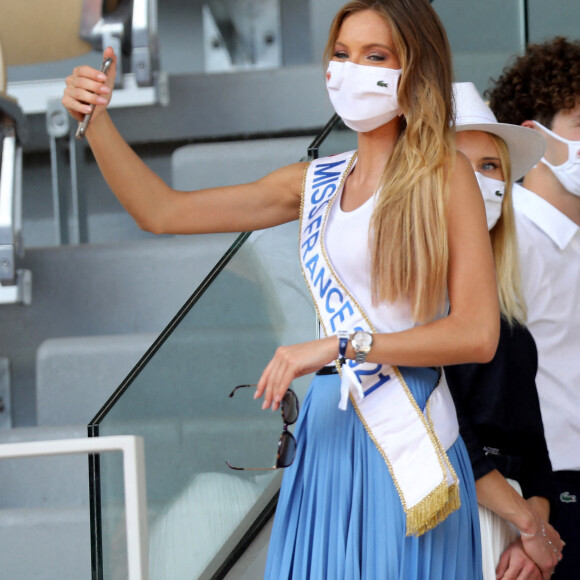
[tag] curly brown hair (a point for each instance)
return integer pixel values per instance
(539, 84)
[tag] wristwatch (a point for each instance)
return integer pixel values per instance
(361, 343)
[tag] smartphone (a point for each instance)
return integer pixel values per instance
(82, 128)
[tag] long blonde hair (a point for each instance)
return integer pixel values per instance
(409, 249)
(505, 249)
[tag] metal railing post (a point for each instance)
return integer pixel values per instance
(134, 484)
(69, 203)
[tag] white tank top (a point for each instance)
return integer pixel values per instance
(347, 244)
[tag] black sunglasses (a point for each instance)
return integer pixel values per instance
(286, 444)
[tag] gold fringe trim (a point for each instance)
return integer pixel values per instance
(433, 509)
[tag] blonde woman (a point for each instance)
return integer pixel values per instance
(395, 250)
(497, 402)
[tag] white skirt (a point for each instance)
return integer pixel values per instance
(496, 535)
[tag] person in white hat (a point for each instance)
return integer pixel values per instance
(540, 89)
(497, 402)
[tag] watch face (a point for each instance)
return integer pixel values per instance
(362, 339)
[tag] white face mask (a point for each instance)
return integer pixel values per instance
(493, 191)
(568, 174)
(365, 97)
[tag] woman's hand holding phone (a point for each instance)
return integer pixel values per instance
(88, 90)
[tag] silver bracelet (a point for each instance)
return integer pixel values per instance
(548, 539)
(543, 531)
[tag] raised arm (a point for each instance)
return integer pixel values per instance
(155, 206)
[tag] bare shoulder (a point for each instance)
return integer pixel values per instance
(462, 179)
(290, 177)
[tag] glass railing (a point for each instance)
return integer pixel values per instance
(201, 514)
(176, 397)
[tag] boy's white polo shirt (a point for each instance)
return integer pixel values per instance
(549, 247)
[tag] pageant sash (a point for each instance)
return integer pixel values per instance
(413, 443)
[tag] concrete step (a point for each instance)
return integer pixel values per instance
(76, 375)
(96, 290)
(45, 544)
(44, 510)
(44, 482)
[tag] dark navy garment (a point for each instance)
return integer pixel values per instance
(499, 413)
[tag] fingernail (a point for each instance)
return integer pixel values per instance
(101, 101)
(105, 89)
(102, 77)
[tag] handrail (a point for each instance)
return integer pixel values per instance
(134, 484)
(9, 204)
(144, 49)
(14, 284)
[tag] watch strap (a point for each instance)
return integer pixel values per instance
(343, 337)
(360, 357)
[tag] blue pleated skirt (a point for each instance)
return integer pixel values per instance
(339, 515)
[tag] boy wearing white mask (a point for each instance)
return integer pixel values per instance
(542, 91)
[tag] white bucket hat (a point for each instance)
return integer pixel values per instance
(526, 146)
